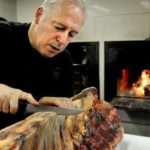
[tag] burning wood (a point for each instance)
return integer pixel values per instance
(99, 127)
(138, 89)
(147, 90)
(143, 81)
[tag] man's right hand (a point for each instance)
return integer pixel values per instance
(9, 99)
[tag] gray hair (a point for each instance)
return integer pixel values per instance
(50, 4)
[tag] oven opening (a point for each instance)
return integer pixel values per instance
(133, 89)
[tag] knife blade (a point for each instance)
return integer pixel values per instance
(59, 110)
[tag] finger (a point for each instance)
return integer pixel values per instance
(58, 101)
(28, 97)
(69, 103)
(66, 103)
(2, 100)
(13, 104)
(48, 101)
(5, 106)
(1, 105)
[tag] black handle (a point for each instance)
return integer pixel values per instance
(22, 106)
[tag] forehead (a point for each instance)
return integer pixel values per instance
(70, 15)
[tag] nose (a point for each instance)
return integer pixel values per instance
(63, 38)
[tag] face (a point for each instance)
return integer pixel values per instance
(54, 31)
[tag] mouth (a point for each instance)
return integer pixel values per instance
(54, 48)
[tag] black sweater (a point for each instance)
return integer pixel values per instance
(23, 67)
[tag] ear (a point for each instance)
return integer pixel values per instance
(38, 14)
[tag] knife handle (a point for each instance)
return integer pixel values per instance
(21, 107)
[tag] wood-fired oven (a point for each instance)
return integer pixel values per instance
(127, 82)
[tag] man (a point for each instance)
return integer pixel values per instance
(33, 62)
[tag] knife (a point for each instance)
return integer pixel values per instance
(59, 110)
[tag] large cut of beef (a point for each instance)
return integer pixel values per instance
(99, 127)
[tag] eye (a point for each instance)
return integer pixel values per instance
(72, 34)
(58, 28)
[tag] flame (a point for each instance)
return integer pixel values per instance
(143, 81)
(123, 83)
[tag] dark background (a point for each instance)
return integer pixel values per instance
(85, 56)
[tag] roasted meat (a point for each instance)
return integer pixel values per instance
(99, 127)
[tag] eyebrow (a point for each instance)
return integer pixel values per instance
(58, 23)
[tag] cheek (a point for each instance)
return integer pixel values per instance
(69, 41)
(45, 37)
(66, 44)
(45, 33)
(49, 36)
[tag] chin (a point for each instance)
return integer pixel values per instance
(47, 54)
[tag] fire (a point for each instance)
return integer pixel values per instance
(143, 81)
(124, 85)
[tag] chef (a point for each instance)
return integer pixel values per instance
(34, 65)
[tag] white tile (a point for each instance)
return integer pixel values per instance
(87, 31)
(111, 7)
(122, 27)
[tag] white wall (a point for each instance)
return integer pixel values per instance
(26, 9)
(8, 9)
(106, 19)
(115, 20)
